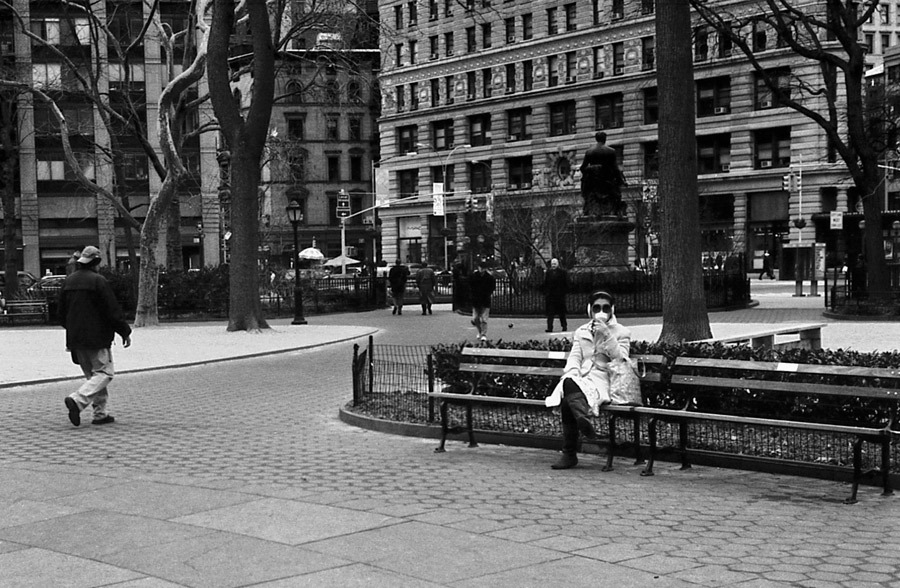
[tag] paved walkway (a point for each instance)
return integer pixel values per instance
(238, 473)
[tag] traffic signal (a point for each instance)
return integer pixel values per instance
(343, 204)
(788, 182)
(469, 203)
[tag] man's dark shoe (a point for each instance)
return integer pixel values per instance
(565, 462)
(548, 330)
(586, 428)
(74, 411)
(104, 421)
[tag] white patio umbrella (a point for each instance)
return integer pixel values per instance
(311, 253)
(341, 260)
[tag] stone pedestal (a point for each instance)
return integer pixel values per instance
(601, 244)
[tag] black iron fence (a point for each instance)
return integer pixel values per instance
(636, 292)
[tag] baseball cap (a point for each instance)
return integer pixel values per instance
(89, 254)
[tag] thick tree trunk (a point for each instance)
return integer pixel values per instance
(174, 255)
(684, 303)
(245, 311)
(147, 313)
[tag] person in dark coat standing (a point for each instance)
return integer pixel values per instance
(397, 280)
(91, 315)
(481, 288)
(556, 286)
(425, 282)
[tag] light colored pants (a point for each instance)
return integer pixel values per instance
(97, 365)
(480, 319)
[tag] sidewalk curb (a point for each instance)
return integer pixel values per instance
(5, 386)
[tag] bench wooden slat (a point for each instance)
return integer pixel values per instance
(514, 353)
(789, 387)
(479, 398)
(497, 368)
(799, 368)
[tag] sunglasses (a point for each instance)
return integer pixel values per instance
(607, 308)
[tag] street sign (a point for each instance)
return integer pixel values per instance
(343, 204)
(837, 219)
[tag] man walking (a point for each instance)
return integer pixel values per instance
(425, 282)
(89, 312)
(481, 287)
(397, 277)
(556, 286)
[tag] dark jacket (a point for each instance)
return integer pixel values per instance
(481, 286)
(397, 278)
(556, 284)
(89, 311)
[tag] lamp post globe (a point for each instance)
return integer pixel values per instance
(295, 215)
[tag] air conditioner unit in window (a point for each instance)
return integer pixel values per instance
(526, 185)
(619, 70)
(510, 90)
(511, 39)
(433, 56)
(618, 15)
(513, 137)
(513, 187)
(765, 163)
(765, 104)
(726, 167)
(721, 110)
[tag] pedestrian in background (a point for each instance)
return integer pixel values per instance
(397, 277)
(555, 287)
(481, 288)
(91, 316)
(425, 282)
(767, 267)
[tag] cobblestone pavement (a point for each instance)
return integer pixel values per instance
(241, 474)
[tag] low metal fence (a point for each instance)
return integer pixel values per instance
(392, 382)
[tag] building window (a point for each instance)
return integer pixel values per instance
(413, 13)
(356, 166)
(519, 172)
(773, 147)
(651, 159)
(518, 123)
(480, 130)
(527, 75)
(885, 41)
(442, 134)
(527, 26)
(713, 96)
(595, 11)
(571, 17)
(759, 36)
(295, 128)
(398, 54)
(409, 182)
(510, 78)
(334, 168)
(552, 24)
(724, 42)
(486, 82)
(470, 85)
(701, 44)
(618, 59)
(433, 10)
(765, 96)
(296, 160)
(437, 177)
(47, 29)
(648, 53)
(135, 166)
(433, 50)
(401, 98)
(470, 40)
(407, 138)
(713, 154)
(480, 176)
(510, 30)
(552, 70)
(609, 111)
(486, 35)
(448, 44)
(413, 46)
(618, 9)
(435, 87)
(414, 96)
(571, 67)
(355, 126)
(331, 127)
(651, 106)
(354, 91)
(448, 90)
(648, 6)
(332, 92)
(398, 17)
(598, 62)
(562, 118)
(448, 7)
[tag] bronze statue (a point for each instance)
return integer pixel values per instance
(602, 181)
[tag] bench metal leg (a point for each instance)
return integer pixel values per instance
(444, 427)
(857, 470)
(611, 449)
(651, 429)
(683, 441)
(469, 426)
(886, 466)
(638, 460)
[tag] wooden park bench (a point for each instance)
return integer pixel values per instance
(835, 400)
(25, 310)
(809, 337)
(484, 365)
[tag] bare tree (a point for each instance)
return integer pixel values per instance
(684, 305)
(542, 228)
(245, 137)
(826, 38)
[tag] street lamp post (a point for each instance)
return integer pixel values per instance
(295, 216)
(444, 196)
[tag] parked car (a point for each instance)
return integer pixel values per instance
(49, 286)
(26, 280)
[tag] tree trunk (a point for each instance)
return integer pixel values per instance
(683, 300)
(147, 313)
(8, 164)
(174, 255)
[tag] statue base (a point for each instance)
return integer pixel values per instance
(601, 244)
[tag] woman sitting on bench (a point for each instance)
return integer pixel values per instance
(584, 385)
